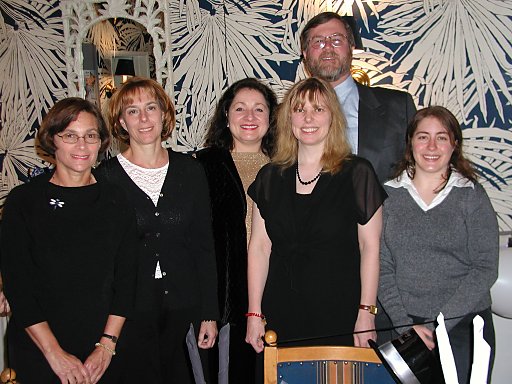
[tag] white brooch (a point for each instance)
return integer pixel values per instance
(56, 203)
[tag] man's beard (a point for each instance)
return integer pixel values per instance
(326, 71)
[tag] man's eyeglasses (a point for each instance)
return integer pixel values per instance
(336, 40)
(72, 138)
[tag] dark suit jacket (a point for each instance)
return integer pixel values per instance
(383, 118)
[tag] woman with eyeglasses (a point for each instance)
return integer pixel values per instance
(177, 275)
(68, 258)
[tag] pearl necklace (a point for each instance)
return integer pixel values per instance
(310, 181)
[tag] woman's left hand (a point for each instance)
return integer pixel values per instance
(5, 308)
(207, 334)
(365, 321)
(97, 363)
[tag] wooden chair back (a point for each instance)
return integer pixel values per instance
(322, 365)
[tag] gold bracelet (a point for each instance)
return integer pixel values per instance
(112, 352)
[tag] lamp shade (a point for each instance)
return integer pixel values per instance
(355, 31)
(125, 68)
(409, 361)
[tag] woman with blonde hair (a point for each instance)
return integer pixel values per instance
(314, 250)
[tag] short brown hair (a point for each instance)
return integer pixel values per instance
(125, 96)
(336, 149)
(323, 18)
(63, 113)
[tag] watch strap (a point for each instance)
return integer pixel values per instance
(113, 338)
(370, 308)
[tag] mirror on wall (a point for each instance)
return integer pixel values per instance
(113, 51)
(80, 17)
(127, 63)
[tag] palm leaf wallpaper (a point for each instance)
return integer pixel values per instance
(455, 53)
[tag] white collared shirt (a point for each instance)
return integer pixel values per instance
(348, 96)
(455, 180)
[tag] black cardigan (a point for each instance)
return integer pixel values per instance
(177, 233)
(229, 208)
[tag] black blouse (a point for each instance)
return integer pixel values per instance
(315, 262)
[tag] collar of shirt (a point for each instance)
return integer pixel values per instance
(348, 96)
(455, 180)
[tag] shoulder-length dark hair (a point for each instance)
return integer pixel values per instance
(63, 113)
(457, 160)
(219, 135)
(127, 93)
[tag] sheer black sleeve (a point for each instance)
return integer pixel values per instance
(259, 190)
(369, 193)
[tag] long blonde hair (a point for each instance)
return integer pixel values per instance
(336, 149)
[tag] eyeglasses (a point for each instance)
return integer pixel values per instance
(72, 138)
(336, 40)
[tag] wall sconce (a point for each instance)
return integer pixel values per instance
(360, 76)
(125, 68)
(359, 48)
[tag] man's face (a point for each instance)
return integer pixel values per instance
(328, 63)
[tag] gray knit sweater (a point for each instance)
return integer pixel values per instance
(442, 260)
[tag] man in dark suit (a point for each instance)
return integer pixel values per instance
(377, 117)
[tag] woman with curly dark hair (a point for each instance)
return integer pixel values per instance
(239, 142)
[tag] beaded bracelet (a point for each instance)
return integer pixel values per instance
(260, 315)
(112, 352)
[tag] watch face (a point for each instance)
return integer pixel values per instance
(370, 308)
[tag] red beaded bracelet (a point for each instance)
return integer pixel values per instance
(260, 315)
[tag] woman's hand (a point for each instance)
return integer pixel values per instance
(426, 335)
(207, 334)
(67, 367)
(98, 362)
(255, 333)
(5, 308)
(365, 321)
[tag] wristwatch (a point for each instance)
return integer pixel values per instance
(370, 308)
(113, 338)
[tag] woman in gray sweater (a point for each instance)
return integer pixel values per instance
(439, 249)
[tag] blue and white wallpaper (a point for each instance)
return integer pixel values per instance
(455, 53)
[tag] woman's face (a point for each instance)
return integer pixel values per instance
(432, 147)
(311, 122)
(78, 157)
(248, 118)
(143, 119)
